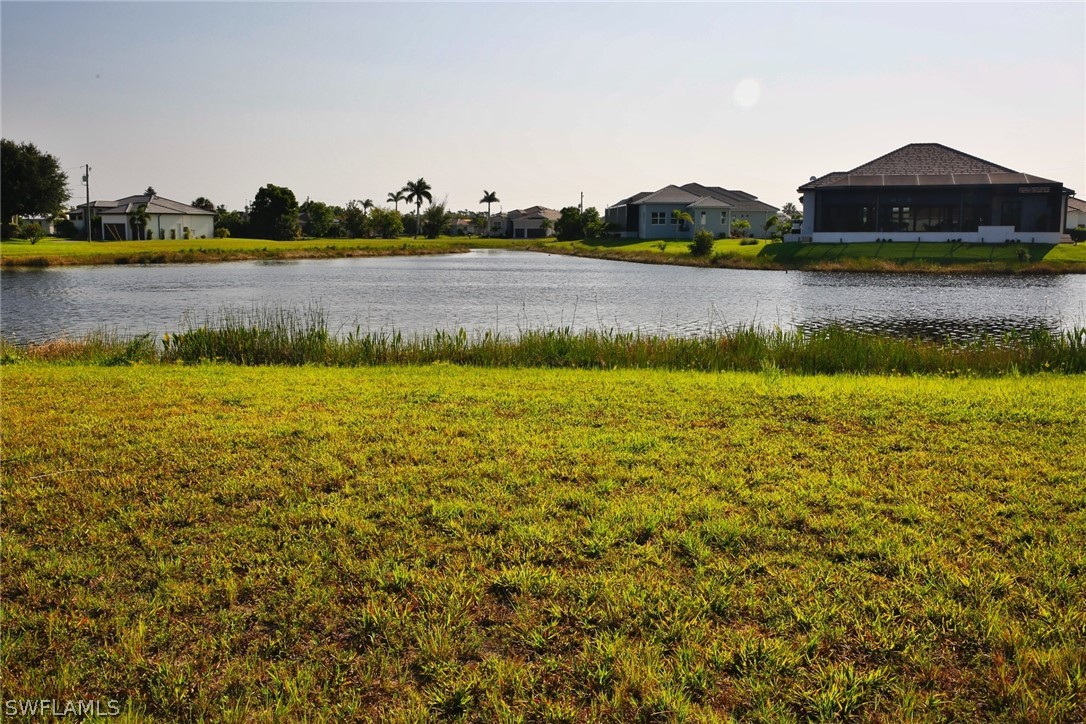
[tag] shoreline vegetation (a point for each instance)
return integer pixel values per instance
(270, 336)
(906, 257)
(218, 542)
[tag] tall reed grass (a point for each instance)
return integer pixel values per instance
(301, 337)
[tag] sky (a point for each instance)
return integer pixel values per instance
(538, 102)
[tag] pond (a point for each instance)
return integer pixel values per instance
(509, 290)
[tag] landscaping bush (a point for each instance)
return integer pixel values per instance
(66, 229)
(222, 233)
(1078, 233)
(702, 243)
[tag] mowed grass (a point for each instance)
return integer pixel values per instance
(236, 543)
(54, 252)
(869, 257)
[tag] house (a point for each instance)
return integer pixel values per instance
(166, 219)
(930, 192)
(649, 214)
(1076, 213)
(528, 223)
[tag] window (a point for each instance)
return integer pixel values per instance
(659, 218)
(723, 218)
(703, 218)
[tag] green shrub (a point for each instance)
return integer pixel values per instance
(66, 229)
(702, 243)
(222, 233)
(1078, 233)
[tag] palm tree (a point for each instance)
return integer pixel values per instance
(489, 197)
(416, 191)
(366, 206)
(138, 219)
(395, 197)
(681, 217)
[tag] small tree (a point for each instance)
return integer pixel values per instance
(435, 221)
(681, 217)
(790, 210)
(740, 228)
(319, 218)
(150, 191)
(386, 223)
(546, 225)
(139, 219)
(33, 233)
(702, 244)
(355, 221)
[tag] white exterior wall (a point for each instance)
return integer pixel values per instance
(806, 229)
(1074, 218)
(159, 226)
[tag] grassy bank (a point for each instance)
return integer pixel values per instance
(286, 337)
(59, 252)
(861, 257)
(222, 542)
(727, 253)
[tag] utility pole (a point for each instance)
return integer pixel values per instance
(86, 209)
(581, 207)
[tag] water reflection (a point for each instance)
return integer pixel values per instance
(510, 291)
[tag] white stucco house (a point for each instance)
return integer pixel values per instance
(930, 192)
(649, 214)
(166, 219)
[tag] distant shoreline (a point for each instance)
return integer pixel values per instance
(729, 254)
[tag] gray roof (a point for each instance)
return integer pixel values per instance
(738, 200)
(535, 213)
(1074, 204)
(708, 202)
(154, 204)
(925, 164)
(694, 195)
(669, 195)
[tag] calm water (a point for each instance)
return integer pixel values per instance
(507, 291)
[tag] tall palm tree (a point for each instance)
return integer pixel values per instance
(395, 197)
(139, 219)
(366, 206)
(489, 197)
(415, 192)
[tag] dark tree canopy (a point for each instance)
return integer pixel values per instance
(150, 191)
(319, 219)
(204, 203)
(575, 224)
(33, 183)
(274, 214)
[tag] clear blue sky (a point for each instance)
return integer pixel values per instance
(538, 102)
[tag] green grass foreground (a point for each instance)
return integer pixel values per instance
(61, 252)
(237, 543)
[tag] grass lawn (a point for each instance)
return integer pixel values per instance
(218, 542)
(52, 252)
(890, 256)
